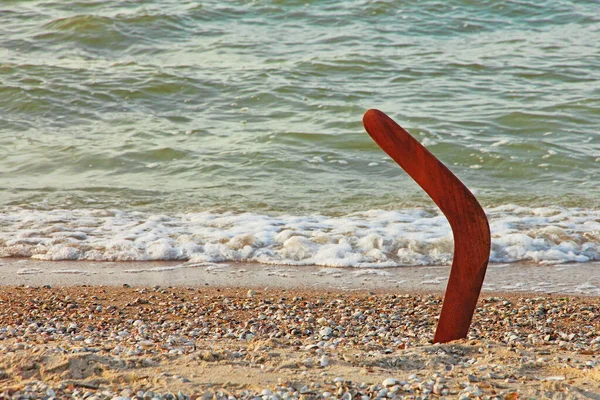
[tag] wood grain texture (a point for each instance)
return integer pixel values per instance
(466, 217)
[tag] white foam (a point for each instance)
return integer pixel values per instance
(378, 272)
(587, 288)
(154, 269)
(70, 272)
(438, 280)
(370, 239)
(29, 271)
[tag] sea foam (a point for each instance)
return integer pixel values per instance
(374, 238)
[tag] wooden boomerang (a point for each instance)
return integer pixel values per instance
(467, 219)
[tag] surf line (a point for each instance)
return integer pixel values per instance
(467, 219)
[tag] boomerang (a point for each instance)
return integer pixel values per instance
(467, 219)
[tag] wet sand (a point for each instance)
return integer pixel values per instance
(580, 279)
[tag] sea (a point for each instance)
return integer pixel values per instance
(230, 131)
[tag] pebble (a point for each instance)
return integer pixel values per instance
(390, 382)
(324, 360)
(555, 378)
(325, 332)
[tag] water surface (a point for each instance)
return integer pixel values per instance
(184, 107)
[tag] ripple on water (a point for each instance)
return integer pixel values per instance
(247, 95)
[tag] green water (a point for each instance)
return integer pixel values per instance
(185, 106)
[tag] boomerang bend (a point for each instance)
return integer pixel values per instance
(466, 217)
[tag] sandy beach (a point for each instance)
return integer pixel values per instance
(180, 342)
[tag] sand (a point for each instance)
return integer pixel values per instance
(205, 342)
(580, 279)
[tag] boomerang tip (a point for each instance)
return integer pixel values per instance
(376, 122)
(372, 114)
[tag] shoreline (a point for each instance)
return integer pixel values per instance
(580, 279)
(191, 343)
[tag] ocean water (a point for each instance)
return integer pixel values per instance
(231, 130)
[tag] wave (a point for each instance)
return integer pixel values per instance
(375, 238)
